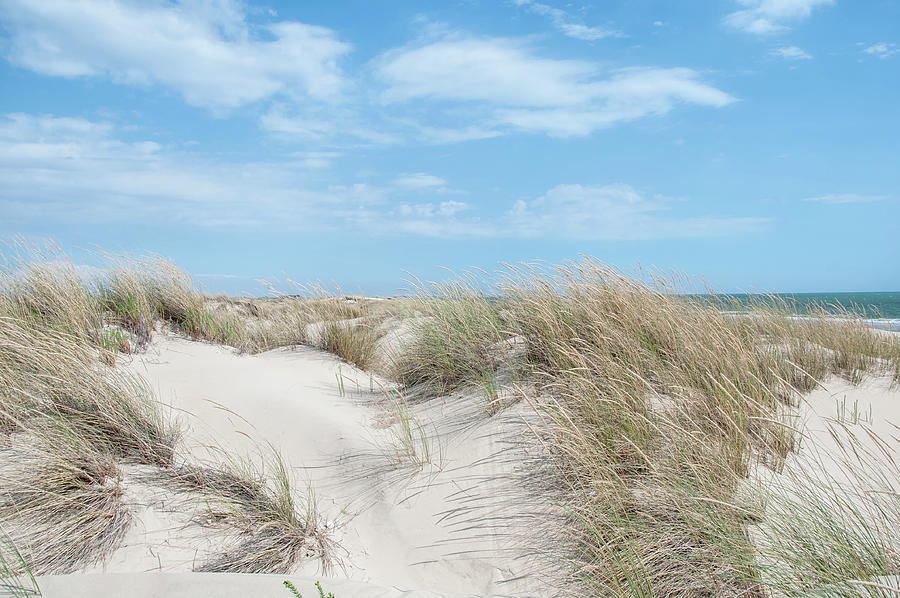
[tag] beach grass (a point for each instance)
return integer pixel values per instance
(276, 526)
(16, 578)
(69, 421)
(654, 408)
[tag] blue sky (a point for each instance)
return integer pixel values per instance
(755, 143)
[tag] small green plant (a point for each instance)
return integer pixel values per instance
(293, 590)
(339, 376)
(491, 392)
(854, 416)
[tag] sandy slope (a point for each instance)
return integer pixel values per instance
(458, 526)
(845, 426)
(444, 528)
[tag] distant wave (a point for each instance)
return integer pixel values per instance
(892, 324)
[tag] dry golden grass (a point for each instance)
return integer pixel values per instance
(68, 420)
(830, 529)
(355, 342)
(42, 286)
(61, 499)
(457, 329)
(654, 407)
(274, 531)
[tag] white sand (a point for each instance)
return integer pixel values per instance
(444, 529)
(455, 527)
(840, 417)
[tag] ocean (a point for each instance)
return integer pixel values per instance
(881, 310)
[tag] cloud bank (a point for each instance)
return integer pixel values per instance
(77, 170)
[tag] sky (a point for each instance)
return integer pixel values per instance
(754, 143)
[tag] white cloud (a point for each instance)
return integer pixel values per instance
(323, 124)
(882, 50)
(562, 21)
(438, 135)
(419, 180)
(615, 212)
(315, 159)
(791, 53)
(205, 51)
(429, 210)
(78, 171)
(771, 16)
(496, 70)
(513, 87)
(838, 198)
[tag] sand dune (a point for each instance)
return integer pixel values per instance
(447, 526)
(571, 440)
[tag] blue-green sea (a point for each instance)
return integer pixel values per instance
(882, 310)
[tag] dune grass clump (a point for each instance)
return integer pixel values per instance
(287, 328)
(61, 499)
(273, 532)
(43, 287)
(69, 420)
(355, 342)
(656, 408)
(45, 374)
(458, 337)
(138, 292)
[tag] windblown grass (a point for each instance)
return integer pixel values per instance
(16, 579)
(49, 375)
(411, 443)
(73, 419)
(831, 527)
(355, 342)
(60, 500)
(654, 408)
(68, 421)
(275, 531)
(458, 336)
(138, 292)
(43, 287)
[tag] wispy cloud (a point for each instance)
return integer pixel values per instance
(315, 159)
(79, 171)
(506, 84)
(207, 52)
(617, 212)
(566, 24)
(791, 53)
(763, 17)
(419, 180)
(882, 50)
(215, 56)
(343, 125)
(838, 198)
